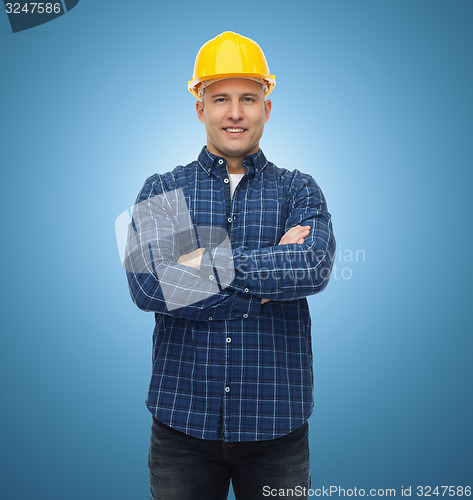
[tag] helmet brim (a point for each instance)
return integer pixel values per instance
(193, 85)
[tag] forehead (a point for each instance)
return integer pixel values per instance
(237, 85)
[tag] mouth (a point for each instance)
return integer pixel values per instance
(234, 131)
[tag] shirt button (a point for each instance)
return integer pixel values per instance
(210, 318)
(229, 219)
(220, 162)
(247, 290)
(225, 180)
(228, 339)
(245, 315)
(256, 170)
(227, 389)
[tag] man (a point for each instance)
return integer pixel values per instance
(224, 251)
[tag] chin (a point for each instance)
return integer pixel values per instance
(234, 152)
(240, 150)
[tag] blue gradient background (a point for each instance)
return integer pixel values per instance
(374, 99)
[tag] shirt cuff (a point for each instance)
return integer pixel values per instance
(207, 270)
(217, 264)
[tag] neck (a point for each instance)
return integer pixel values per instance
(235, 166)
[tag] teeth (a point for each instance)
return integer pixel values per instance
(234, 130)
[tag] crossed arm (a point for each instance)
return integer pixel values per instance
(163, 278)
(295, 234)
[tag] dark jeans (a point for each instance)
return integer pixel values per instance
(183, 467)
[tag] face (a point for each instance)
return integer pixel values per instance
(234, 113)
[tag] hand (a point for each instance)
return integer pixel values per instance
(295, 235)
(192, 259)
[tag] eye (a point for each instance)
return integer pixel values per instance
(219, 99)
(249, 99)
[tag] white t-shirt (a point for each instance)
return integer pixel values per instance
(234, 180)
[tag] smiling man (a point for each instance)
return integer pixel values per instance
(225, 251)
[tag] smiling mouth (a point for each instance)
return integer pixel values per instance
(234, 130)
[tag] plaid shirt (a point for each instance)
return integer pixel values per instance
(226, 367)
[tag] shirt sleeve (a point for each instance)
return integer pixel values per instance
(160, 232)
(292, 271)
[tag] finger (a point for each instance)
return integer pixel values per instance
(302, 233)
(295, 236)
(297, 231)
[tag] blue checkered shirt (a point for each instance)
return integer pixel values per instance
(226, 367)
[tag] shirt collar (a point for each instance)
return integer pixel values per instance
(254, 163)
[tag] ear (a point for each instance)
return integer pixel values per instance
(267, 109)
(199, 107)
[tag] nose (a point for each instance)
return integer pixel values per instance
(235, 110)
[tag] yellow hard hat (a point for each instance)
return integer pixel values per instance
(230, 55)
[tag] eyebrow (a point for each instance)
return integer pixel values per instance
(245, 94)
